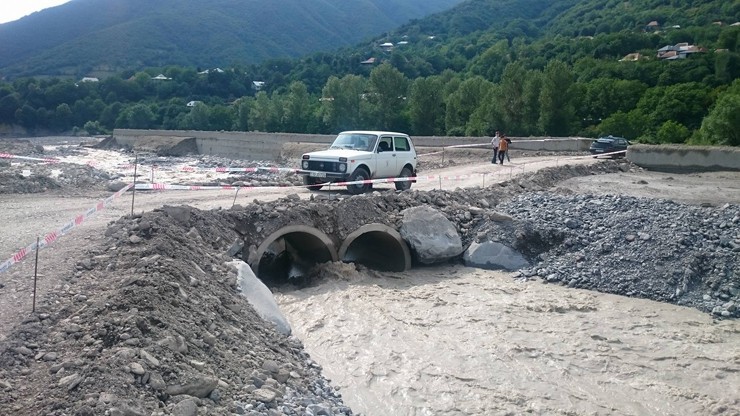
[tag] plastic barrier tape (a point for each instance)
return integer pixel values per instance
(47, 160)
(54, 235)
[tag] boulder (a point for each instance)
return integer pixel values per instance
(430, 235)
(260, 296)
(494, 256)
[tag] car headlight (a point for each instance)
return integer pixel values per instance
(305, 164)
(342, 167)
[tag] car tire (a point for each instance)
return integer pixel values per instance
(360, 174)
(311, 182)
(404, 185)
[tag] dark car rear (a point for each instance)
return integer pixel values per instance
(609, 144)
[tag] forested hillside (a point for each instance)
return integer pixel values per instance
(653, 71)
(104, 36)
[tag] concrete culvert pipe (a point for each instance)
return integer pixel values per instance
(376, 246)
(289, 253)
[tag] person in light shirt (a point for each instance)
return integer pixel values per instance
(495, 143)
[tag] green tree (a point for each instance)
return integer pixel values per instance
(297, 108)
(220, 118)
(243, 108)
(629, 125)
(260, 115)
(138, 116)
(9, 104)
(198, 118)
(672, 132)
(722, 125)
(341, 99)
(557, 111)
(62, 118)
(491, 63)
(388, 88)
(510, 103)
(462, 103)
(531, 103)
(94, 127)
(426, 106)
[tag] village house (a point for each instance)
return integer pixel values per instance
(678, 51)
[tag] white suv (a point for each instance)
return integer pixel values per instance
(361, 155)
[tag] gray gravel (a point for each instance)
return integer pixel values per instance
(648, 248)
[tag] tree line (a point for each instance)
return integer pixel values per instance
(555, 86)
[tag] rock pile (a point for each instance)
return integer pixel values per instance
(648, 248)
(30, 177)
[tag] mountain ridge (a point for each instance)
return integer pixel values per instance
(79, 36)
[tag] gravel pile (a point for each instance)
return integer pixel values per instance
(647, 248)
(30, 177)
(152, 323)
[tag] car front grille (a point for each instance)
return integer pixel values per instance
(323, 166)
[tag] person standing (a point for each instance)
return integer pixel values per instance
(495, 143)
(503, 147)
(508, 142)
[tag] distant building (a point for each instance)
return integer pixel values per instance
(193, 103)
(678, 51)
(161, 77)
(258, 85)
(652, 26)
(368, 61)
(207, 71)
(387, 46)
(89, 79)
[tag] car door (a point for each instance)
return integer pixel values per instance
(385, 159)
(403, 152)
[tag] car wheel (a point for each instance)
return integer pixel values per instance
(404, 185)
(358, 175)
(311, 182)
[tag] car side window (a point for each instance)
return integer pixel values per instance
(386, 144)
(402, 144)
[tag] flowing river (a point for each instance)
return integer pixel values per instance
(459, 341)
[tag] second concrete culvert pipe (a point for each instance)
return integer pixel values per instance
(376, 246)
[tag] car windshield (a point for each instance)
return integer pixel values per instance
(355, 141)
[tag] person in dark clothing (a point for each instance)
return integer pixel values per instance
(502, 148)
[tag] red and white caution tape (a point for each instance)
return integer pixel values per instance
(55, 235)
(38, 159)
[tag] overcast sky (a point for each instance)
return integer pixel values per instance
(15, 9)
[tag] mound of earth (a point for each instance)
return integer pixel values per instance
(20, 147)
(152, 323)
(159, 145)
(26, 178)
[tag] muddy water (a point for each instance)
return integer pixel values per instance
(461, 341)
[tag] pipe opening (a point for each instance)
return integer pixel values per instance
(287, 256)
(378, 247)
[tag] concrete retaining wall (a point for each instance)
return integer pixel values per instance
(267, 146)
(237, 145)
(681, 158)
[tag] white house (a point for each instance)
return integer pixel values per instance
(161, 77)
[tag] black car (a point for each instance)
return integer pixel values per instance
(609, 144)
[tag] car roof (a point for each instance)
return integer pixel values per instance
(378, 132)
(609, 139)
